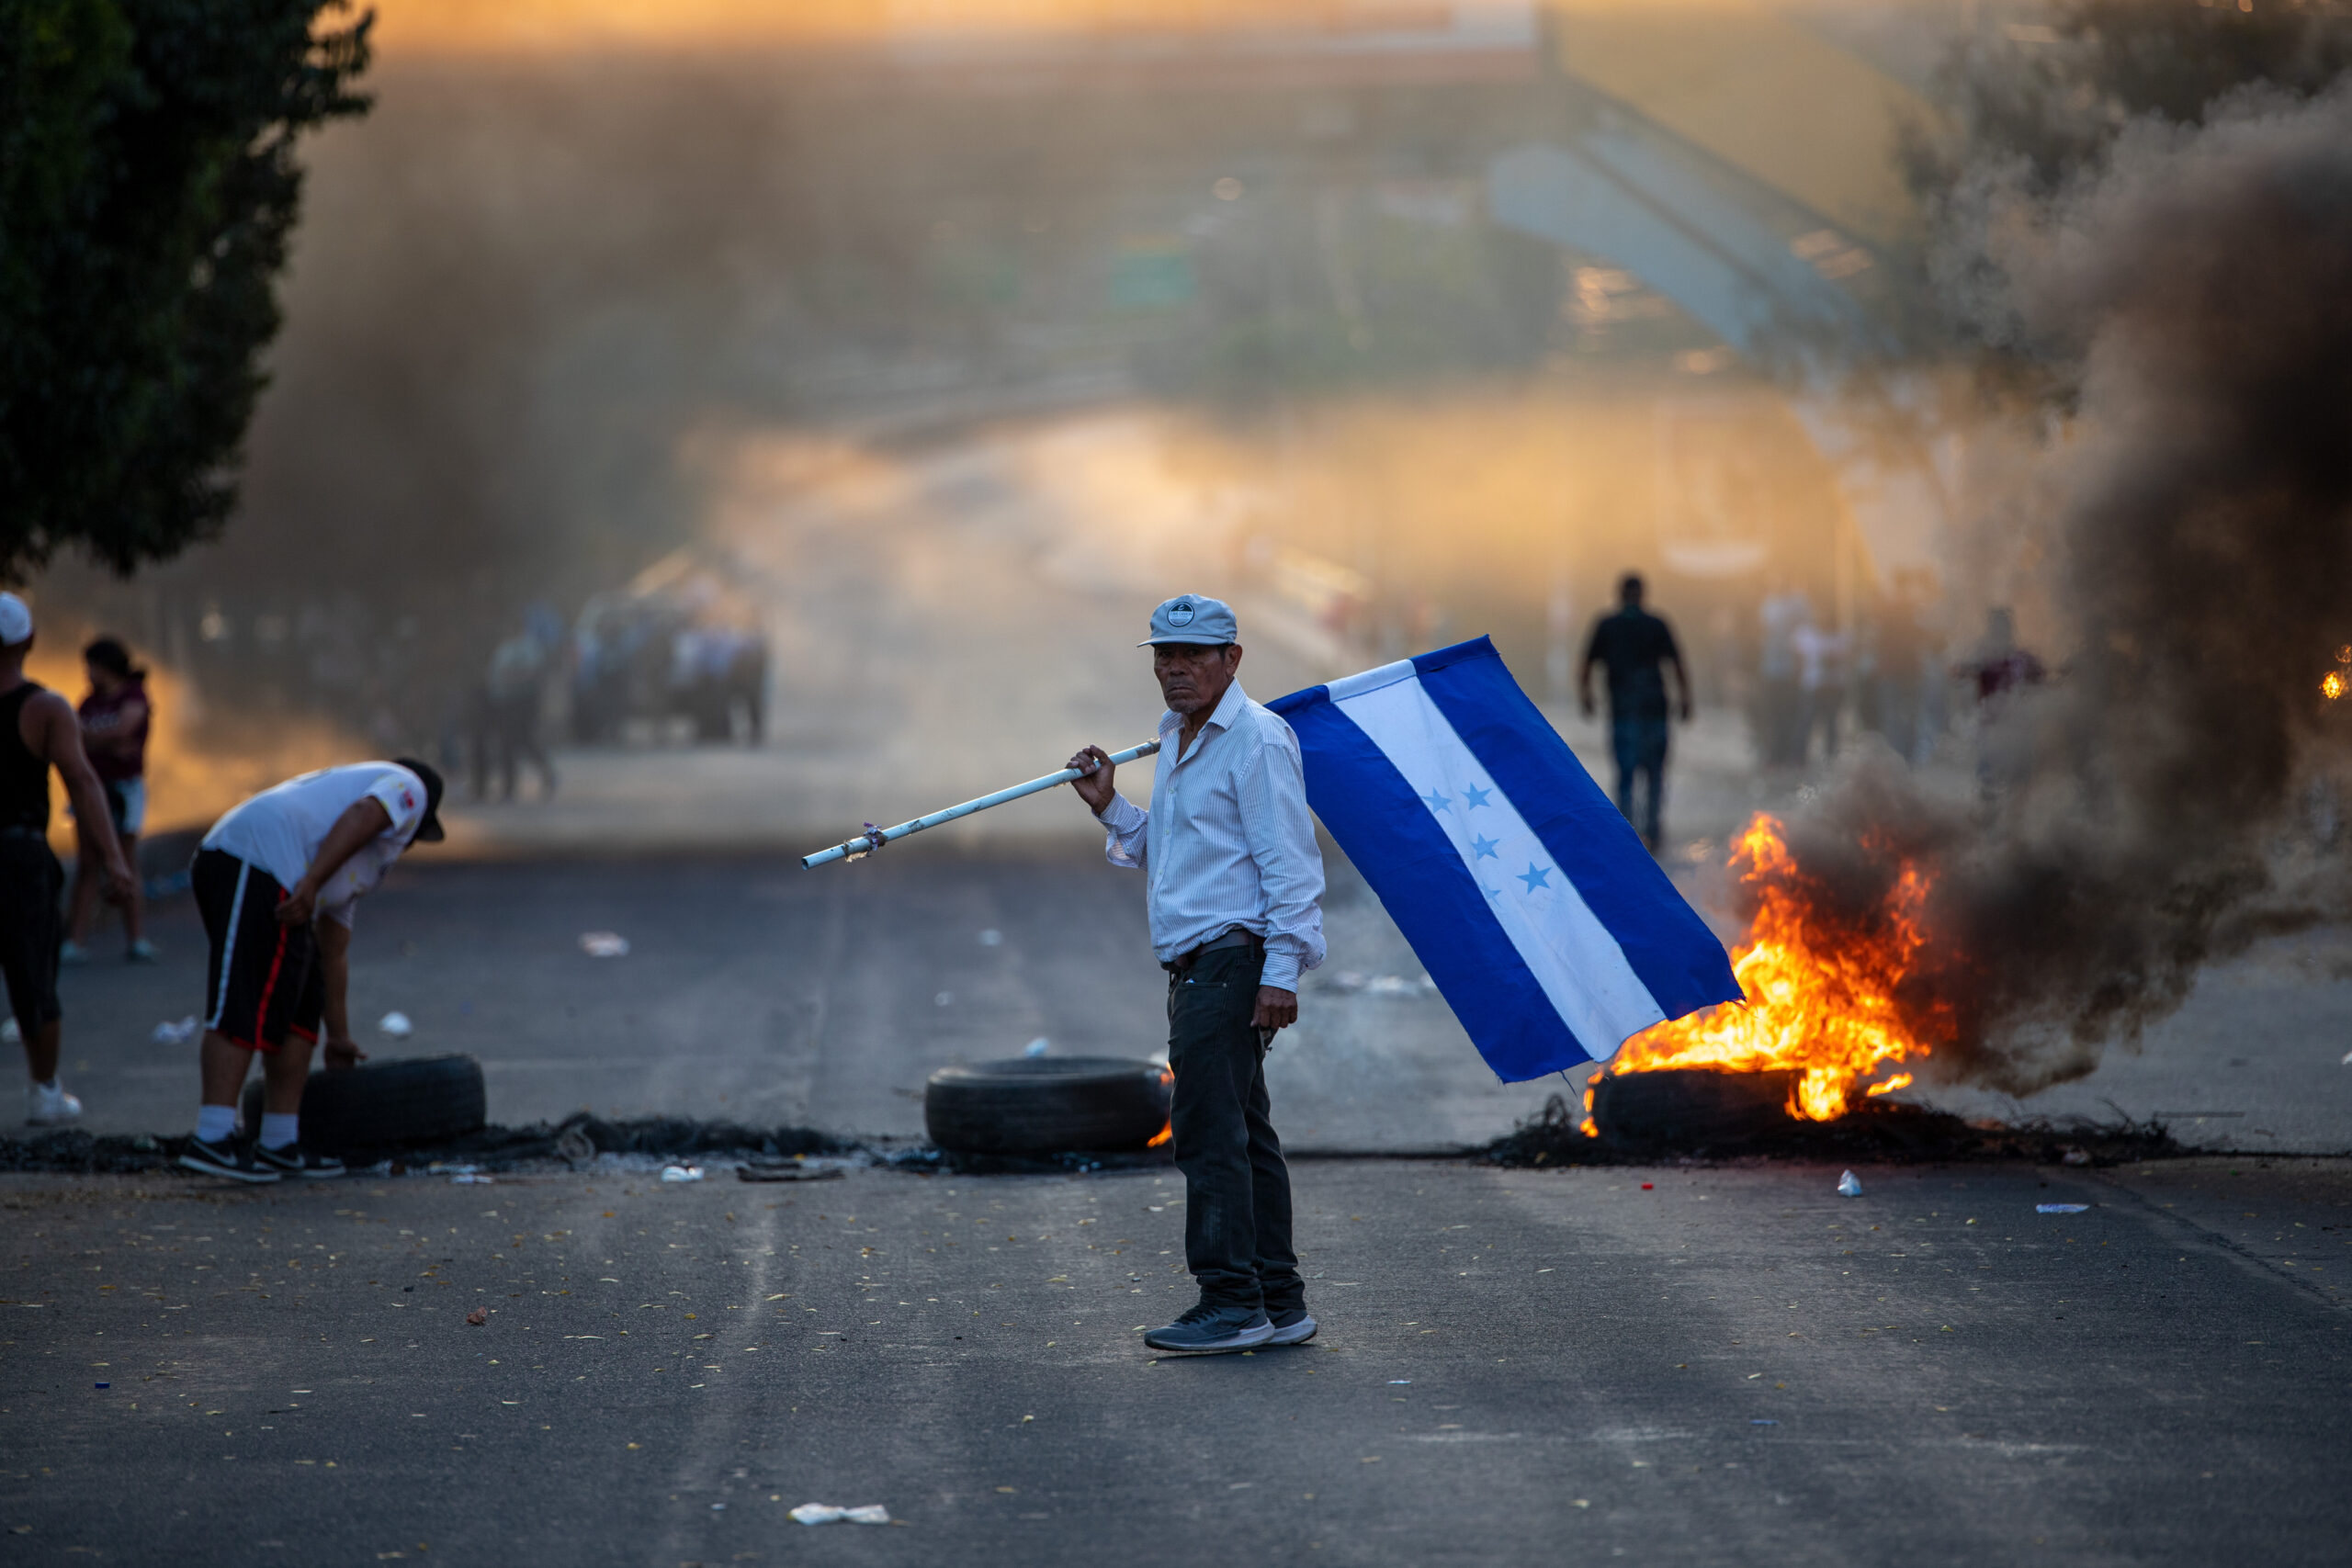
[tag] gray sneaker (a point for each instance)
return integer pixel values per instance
(1293, 1328)
(226, 1158)
(1210, 1329)
(292, 1160)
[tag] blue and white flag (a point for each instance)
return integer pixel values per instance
(1541, 918)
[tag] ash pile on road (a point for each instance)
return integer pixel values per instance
(565, 1144)
(1880, 1132)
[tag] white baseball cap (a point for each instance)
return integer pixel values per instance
(16, 620)
(1194, 618)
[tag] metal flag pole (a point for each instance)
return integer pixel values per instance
(874, 838)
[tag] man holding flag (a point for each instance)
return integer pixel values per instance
(1234, 880)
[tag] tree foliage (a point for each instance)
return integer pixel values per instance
(148, 190)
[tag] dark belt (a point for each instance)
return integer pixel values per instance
(1235, 937)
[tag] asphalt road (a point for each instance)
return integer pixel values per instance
(1731, 1365)
(754, 991)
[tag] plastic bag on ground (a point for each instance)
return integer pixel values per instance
(1849, 1185)
(604, 945)
(395, 1026)
(826, 1513)
(682, 1173)
(179, 1033)
(2060, 1208)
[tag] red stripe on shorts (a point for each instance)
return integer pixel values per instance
(268, 987)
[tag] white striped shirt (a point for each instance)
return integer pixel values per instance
(1228, 841)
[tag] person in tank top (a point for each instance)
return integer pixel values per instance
(39, 731)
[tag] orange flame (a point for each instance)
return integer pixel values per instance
(1166, 1133)
(2332, 685)
(1820, 1000)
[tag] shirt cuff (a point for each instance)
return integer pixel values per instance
(1280, 971)
(1121, 816)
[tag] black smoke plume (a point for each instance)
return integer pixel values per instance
(2152, 805)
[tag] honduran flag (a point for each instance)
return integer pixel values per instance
(1537, 910)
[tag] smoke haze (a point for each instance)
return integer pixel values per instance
(2157, 802)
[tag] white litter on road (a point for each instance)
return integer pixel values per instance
(826, 1513)
(396, 1026)
(469, 1179)
(1850, 1185)
(604, 945)
(682, 1173)
(180, 1033)
(1037, 1047)
(2060, 1207)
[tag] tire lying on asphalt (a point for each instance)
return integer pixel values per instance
(1042, 1105)
(1690, 1108)
(381, 1105)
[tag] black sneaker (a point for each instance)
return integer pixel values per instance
(1211, 1329)
(291, 1159)
(1292, 1327)
(225, 1160)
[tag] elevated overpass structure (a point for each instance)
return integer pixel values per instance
(1724, 154)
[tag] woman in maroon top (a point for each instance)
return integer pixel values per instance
(114, 718)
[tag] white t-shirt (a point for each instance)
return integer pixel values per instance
(281, 829)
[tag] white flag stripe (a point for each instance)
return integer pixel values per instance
(1365, 680)
(1578, 964)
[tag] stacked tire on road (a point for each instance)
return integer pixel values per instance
(386, 1105)
(1048, 1105)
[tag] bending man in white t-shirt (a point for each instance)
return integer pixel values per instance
(276, 881)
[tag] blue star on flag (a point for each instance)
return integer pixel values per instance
(1536, 876)
(1472, 795)
(1437, 802)
(1483, 848)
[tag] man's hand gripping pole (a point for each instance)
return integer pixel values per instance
(874, 838)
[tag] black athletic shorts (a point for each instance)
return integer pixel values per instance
(30, 926)
(265, 978)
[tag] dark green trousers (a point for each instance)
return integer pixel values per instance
(1237, 1189)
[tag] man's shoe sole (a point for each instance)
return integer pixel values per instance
(1296, 1333)
(1248, 1339)
(232, 1173)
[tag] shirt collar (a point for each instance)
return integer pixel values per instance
(1229, 708)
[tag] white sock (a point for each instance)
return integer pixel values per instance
(276, 1131)
(216, 1124)
(50, 1085)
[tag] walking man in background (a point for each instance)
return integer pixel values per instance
(275, 880)
(39, 730)
(1638, 648)
(517, 688)
(1783, 610)
(1234, 885)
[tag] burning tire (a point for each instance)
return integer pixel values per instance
(1046, 1105)
(423, 1099)
(1690, 1108)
